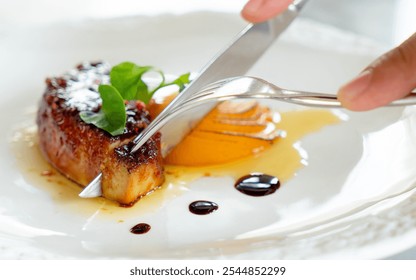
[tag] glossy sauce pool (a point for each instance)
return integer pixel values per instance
(282, 160)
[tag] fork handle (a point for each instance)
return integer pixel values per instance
(331, 101)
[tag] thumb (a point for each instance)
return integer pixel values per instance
(262, 10)
(390, 77)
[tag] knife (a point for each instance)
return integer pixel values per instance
(235, 60)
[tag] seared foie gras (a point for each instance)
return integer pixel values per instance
(80, 151)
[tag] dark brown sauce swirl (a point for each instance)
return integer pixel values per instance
(203, 207)
(257, 184)
(140, 228)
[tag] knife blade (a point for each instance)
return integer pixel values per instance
(235, 60)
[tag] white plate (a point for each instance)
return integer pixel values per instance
(354, 199)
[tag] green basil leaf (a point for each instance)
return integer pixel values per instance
(126, 84)
(142, 92)
(181, 81)
(112, 116)
(98, 119)
(125, 77)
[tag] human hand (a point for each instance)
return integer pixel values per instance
(388, 78)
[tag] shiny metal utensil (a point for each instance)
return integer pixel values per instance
(256, 88)
(236, 59)
(245, 87)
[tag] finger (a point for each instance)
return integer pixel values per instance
(262, 10)
(390, 77)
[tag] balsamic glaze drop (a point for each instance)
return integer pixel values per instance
(257, 184)
(140, 228)
(202, 207)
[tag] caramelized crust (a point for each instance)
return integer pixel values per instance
(80, 151)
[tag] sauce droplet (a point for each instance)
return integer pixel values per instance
(202, 207)
(140, 228)
(257, 184)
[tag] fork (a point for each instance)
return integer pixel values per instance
(245, 87)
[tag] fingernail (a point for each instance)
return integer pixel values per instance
(356, 87)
